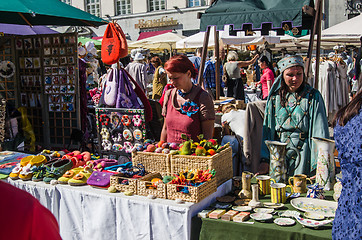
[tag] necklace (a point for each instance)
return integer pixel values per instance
(182, 94)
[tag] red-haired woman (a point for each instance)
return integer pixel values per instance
(187, 108)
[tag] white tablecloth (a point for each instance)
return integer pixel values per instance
(90, 213)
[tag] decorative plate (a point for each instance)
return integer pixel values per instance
(324, 207)
(7, 69)
(273, 205)
(242, 208)
(289, 213)
(313, 223)
(262, 217)
(284, 221)
(313, 215)
(263, 210)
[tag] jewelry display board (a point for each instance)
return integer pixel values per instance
(46, 85)
(120, 130)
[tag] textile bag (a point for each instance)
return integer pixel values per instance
(111, 88)
(124, 47)
(126, 97)
(111, 45)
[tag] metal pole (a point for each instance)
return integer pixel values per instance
(217, 64)
(318, 50)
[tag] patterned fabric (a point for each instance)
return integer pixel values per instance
(209, 75)
(348, 221)
(290, 61)
(303, 117)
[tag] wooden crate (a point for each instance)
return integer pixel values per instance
(222, 162)
(196, 194)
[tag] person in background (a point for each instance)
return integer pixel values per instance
(295, 112)
(23, 217)
(187, 108)
(235, 85)
(137, 69)
(159, 78)
(267, 78)
(210, 75)
(276, 69)
(196, 60)
(347, 223)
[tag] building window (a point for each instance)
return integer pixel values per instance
(155, 5)
(93, 7)
(196, 3)
(123, 7)
(69, 2)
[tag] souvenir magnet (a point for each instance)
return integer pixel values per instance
(127, 146)
(107, 145)
(127, 135)
(137, 120)
(126, 121)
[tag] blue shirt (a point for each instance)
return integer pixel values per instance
(196, 61)
(209, 75)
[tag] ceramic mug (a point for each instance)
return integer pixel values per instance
(264, 184)
(299, 183)
(278, 192)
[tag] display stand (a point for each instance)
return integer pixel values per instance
(45, 83)
(120, 130)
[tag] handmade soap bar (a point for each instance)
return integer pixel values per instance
(241, 217)
(204, 213)
(216, 214)
(229, 215)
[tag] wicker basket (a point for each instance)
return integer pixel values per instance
(153, 162)
(144, 183)
(196, 194)
(222, 162)
(116, 180)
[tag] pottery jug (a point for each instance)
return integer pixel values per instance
(315, 191)
(245, 192)
(255, 200)
(325, 174)
(278, 168)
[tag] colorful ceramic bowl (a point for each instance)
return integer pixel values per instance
(313, 223)
(261, 217)
(284, 221)
(263, 210)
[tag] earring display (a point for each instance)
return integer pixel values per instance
(120, 130)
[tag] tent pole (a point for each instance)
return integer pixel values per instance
(217, 64)
(311, 39)
(318, 50)
(26, 20)
(200, 80)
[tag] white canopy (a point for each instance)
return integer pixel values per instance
(159, 42)
(347, 32)
(197, 40)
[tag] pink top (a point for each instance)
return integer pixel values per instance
(267, 75)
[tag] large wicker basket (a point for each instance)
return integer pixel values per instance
(196, 194)
(153, 162)
(222, 162)
(117, 179)
(144, 183)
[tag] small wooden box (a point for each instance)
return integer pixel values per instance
(241, 217)
(144, 183)
(216, 214)
(229, 215)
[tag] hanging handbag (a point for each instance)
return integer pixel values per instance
(111, 88)
(126, 97)
(111, 45)
(124, 47)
